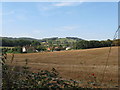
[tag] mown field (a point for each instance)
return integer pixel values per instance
(79, 65)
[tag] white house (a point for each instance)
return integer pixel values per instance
(24, 49)
(68, 48)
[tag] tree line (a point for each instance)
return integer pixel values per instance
(14, 43)
(84, 44)
(80, 44)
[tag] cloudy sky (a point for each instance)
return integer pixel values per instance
(87, 20)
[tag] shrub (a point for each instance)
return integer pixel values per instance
(16, 77)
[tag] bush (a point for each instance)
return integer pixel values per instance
(16, 77)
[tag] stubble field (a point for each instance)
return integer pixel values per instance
(79, 65)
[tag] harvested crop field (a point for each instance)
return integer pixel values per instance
(79, 65)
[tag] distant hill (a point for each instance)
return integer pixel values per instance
(74, 38)
(67, 39)
(10, 41)
(23, 38)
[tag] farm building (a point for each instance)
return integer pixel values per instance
(48, 49)
(68, 48)
(54, 49)
(27, 49)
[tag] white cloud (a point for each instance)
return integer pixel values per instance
(44, 7)
(50, 9)
(67, 4)
(55, 5)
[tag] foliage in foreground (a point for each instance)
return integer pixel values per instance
(42, 79)
(20, 77)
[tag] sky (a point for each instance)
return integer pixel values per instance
(86, 20)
